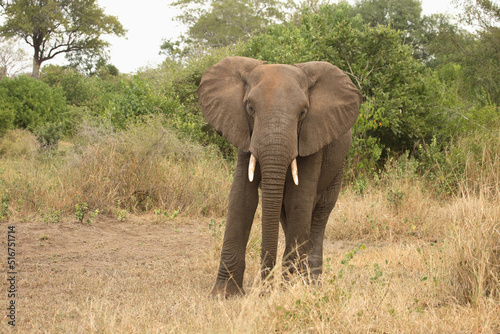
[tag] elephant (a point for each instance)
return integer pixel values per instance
(292, 127)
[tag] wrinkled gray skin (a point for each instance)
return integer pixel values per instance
(279, 113)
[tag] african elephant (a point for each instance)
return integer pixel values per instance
(290, 124)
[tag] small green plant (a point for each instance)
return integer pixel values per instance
(395, 198)
(360, 185)
(216, 228)
(172, 216)
(347, 258)
(93, 216)
(50, 216)
(82, 210)
(160, 212)
(48, 135)
(377, 274)
(44, 237)
(121, 215)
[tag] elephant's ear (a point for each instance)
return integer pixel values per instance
(221, 93)
(334, 104)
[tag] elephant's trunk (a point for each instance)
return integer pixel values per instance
(273, 168)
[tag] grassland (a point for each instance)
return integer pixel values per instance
(403, 253)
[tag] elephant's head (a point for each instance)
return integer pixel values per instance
(277, 112)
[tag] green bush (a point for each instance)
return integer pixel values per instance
(32, 103)
(92, 94)
(48, 134)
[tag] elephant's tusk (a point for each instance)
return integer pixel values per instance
(295, 172)
(251, 167)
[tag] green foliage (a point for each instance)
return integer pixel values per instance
(50, 216)
(121, 214)
(216, 228)
(138, 99)
(178, 81)
(48, 135)
(394, 84)
(483, 13)
(28, 103)
(82, 210)
(469, 159)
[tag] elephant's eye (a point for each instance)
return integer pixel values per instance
(303, 113)
(249, 107)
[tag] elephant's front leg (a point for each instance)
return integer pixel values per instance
(243, 201)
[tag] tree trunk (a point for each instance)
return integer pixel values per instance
(36, 68)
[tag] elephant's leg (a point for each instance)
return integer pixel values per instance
(298, 206)
(243, 200)
(324, 207)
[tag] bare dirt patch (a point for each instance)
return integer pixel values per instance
(62, 267)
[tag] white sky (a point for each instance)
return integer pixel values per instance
(149, 21)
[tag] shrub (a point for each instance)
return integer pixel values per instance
(137, 100)
(177, 82)
(92, 94)
(31, 101)
(48, 135)
(146, 167)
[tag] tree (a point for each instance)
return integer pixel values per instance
(53, 27)
(215, 24)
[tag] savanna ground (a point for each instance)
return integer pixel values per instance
(101, 248)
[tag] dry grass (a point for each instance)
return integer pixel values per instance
(154, 277)
(398, 257)
(143, 168)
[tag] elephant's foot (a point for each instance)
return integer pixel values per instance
(226, 289)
